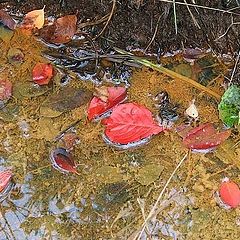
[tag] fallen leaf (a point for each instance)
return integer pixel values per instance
(15, 56)
(129, 123)
(42, 73)
(5, 34)
(205, 137)
(66, 99)
(113, 96)
(230, 193)
(5, 179)
(5, 89)
(63, 161)
(61, 31)
(34, 19)
(7, 20)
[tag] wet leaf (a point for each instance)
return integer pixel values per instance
(108, 174)
(184, 69)
(230, 193)
(61, 31)
(28, 90)
(15, 56)
(106, 100)
(229, 107)
(66, 99)
(5, 89)
(205, 137)
(7, 20)
(46, 129)
(63, 161)
(5, 34)
(8, 113)
(42, 73)
(34, 19)
(5, 179)
(149, 173)
(130, 122)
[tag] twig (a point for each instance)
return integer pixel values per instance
(110, 16)
(192, 16)
(201, 6)
(138, 236)
(175, 16)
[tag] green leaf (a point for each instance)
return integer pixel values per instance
(229, 106)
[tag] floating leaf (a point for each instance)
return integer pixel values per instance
(34, 19)
(63, 161)
(61, 31)
(230, 193)
(42, 73)
(130, 122)
(112, 96)
(149, 173)
(5, 179)
(66, 99)
(7, 20)
(229, 107)
(5, 89)
(28, 90)
(205, 137)
(15, 56)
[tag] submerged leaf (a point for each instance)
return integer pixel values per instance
(229, 107)
(7, 20)
(230, 193)
(5, 89)
(129, 123)
(15, 56)
(42, 73)
(107, 98)
(205, 137)
(5, 34)
(61, 31)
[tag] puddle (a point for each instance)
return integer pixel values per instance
(102, 200)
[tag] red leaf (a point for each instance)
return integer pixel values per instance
(61, 31)
(97, 106)
(42, 73)
(5, 179)
(7, 20)
(205, 137)
(63, 161)
(230, 193)
(5, 89)
(130, 122)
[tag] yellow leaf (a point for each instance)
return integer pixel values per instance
(34, 19)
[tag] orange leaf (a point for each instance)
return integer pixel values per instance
(42, 73)
(34, 19)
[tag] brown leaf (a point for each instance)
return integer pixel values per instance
(7, 20)
(61, 31)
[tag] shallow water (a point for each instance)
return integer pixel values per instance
(114, 189)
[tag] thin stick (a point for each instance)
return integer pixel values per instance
(110, 16)
(192, 16)
(150, 215)
(201, 6)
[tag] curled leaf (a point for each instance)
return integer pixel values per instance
(7, 20)
(5, 89)
(34, 19)
(230, 193)
(204, 137)
(42, 73)
(112, 96)
(61, 31)
(129, 123)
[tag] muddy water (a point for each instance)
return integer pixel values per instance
(115, 189)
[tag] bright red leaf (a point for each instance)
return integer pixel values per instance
(129, 123)
(230, 193)
(205, 137)
(42, 73)
(7, 20)
(5, 179)
(5, 89)
(97, 106)
(62, 160)
(61, 31)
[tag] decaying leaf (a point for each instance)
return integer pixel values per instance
(66, 99)
(5, 34)
(42, 73)
(34, 19)
(5, 89)
(15, 56)
(106, 99)
(9, 113)
(149, 173)
(46, 129)
(129, 123)
(7, 20)
(61, 31)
